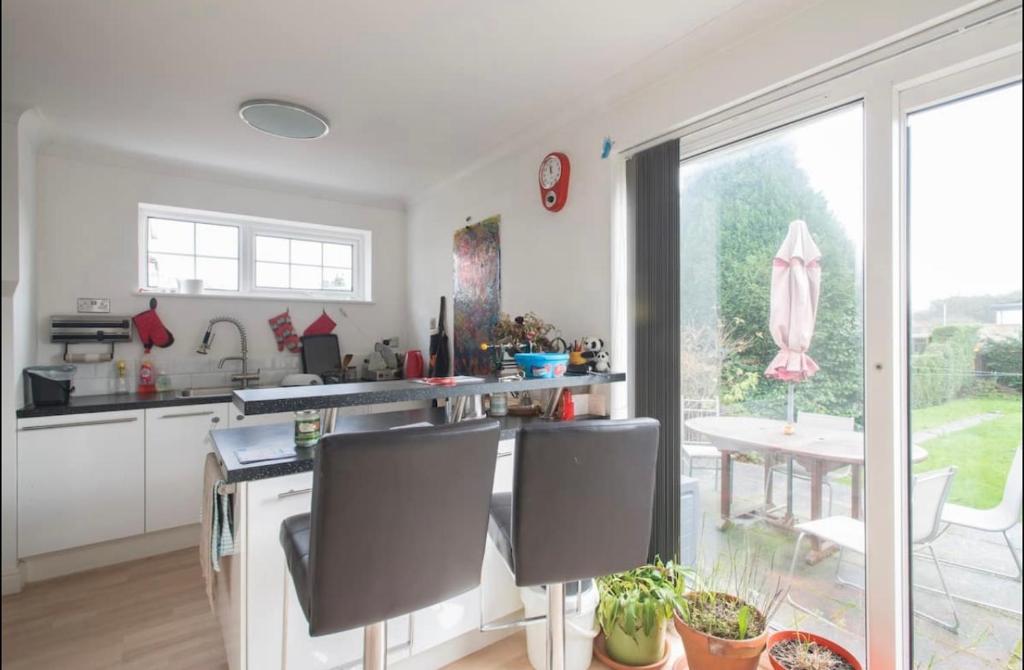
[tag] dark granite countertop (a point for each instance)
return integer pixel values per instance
(228, 442)
(270, 400)
(114, 402)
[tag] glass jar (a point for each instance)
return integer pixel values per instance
(307, 428)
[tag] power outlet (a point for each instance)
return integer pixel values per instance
(94, 305)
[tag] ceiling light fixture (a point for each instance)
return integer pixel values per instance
(284, 119)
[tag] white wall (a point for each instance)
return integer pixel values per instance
(20, 138)
(88, 247)
(8, 446)
(559, 264)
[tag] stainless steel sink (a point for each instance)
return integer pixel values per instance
(207, 391)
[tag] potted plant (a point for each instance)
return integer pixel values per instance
(633, 611)
(797, 650)
(724, 622)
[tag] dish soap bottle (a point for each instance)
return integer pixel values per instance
(147, 382)
(121, 381)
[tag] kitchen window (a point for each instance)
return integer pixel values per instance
(250, 256)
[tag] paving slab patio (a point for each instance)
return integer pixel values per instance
(987, 639)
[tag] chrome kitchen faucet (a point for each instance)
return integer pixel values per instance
(204, 348)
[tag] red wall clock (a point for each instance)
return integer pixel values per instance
(554, 181)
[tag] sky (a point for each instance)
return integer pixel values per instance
(965, 197)
(965, 190)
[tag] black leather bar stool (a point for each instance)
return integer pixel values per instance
(581, 506)
(398, 523)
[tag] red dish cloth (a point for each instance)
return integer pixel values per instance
(152, 331)
(284, 332)
(322, 326)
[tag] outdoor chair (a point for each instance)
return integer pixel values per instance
(808, 420)
(695, 446)
(998, 519)
(928, 496)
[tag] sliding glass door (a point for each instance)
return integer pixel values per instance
(772, 348)
(963, 180)
(850, 293)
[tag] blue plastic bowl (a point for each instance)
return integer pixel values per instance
(542, 366)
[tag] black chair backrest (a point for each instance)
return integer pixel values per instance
(399, 520)
(583, 499)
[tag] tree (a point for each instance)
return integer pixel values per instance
(735, 212)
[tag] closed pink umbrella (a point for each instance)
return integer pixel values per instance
(796, 283)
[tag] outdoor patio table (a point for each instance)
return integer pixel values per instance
(819, 450)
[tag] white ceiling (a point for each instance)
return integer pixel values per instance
(415, 91)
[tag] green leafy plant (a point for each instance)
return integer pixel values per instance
(640, 599)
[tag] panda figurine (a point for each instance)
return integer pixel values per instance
(597, 357)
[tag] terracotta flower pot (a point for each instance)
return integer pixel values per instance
(707, 652)
(786, 635)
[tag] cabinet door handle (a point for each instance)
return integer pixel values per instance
(184, 414)
(76, 424)
(505, 454)
(294, 492)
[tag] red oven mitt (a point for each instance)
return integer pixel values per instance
(284, 332)
(322, 326)
(152, 331)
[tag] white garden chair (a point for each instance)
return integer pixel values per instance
(695, 447)
(809, 420)
(998, 519)
(928, 497)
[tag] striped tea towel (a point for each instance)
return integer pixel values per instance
(222, 539)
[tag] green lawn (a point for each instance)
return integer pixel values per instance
(930, 417)
(982, 454)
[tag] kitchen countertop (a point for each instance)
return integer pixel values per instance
(113, 402)
(284, 399)
(228, 442)
(271, 400)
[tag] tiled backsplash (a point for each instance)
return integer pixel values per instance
(189, 372)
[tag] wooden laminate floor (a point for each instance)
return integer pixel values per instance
(146, 614)
(150, 614)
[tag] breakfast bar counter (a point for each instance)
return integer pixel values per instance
(229, 443)
(277, 482)
(294, 398)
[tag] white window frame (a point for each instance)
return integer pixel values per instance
(985, 35)
(249, 227)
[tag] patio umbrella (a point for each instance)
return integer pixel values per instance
(796, 281)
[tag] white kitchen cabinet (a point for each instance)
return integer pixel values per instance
(504, 469)
(177, 441)
(81, 480)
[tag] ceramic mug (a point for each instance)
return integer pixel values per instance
(190, 286)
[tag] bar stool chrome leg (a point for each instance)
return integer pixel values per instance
(375, 646)
(284, 624)
(556, 627)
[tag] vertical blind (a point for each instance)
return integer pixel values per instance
(652, 182)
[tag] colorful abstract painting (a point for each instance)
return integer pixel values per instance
(477, 296)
